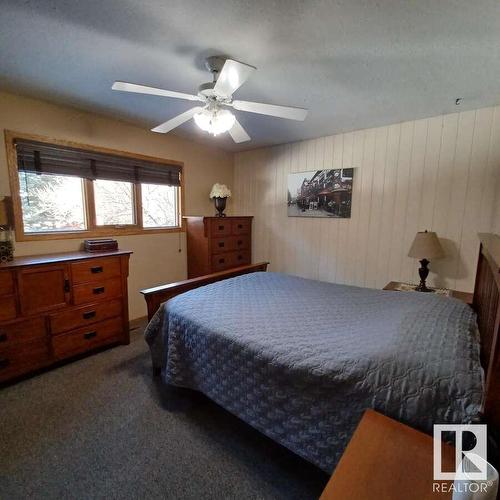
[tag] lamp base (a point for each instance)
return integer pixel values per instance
(423, 288)
(423, 272)
(6, 244)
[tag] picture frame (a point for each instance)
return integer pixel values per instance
(320, 193)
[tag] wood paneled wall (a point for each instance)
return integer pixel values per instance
(440, 174)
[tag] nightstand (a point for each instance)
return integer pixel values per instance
(463, 296)
(389, 460)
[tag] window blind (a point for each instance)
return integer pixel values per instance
(43, 158)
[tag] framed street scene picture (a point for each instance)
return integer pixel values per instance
(320, 193)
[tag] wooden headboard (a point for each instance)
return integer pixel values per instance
(487, 306)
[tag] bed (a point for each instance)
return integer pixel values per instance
(300, 360)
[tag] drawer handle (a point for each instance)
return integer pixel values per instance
(221, 228)
(240, 242)
(221, 261)
(89, 335)
(66, 286)
(96, 270)
(98, 290)
(240, 257)
(3, 337)
(4, 363)
(88, 314)
(221, 244)
(240, 226)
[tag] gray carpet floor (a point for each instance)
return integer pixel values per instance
(102, 427)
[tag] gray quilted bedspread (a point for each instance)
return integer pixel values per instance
(300, 360)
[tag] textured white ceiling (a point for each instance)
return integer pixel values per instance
(354, 64)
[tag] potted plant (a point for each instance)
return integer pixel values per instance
(220, 193)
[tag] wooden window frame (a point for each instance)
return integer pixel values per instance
(88, 193)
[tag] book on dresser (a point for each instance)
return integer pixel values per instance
(54, 307)
(217, 243)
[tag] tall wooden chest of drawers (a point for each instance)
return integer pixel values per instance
(57, 306)
(217, 243)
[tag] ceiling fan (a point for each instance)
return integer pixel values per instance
(217, 96)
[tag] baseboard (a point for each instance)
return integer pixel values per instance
(138, 322)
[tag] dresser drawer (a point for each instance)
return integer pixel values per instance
(97, 291)
(7, 308)
(220, 227)
(241, 258)
(6, 283)
(231, 259)
(84, 339)
(95, 270)
(241, 242)
(22, 331)
(29, 356)
(225, 244)
(230, 243)
(86, 315)
(221, 261)
(240, 226)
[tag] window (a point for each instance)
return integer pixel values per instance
(114, 203)
(69, 192)
(52, 203)
(159, 205)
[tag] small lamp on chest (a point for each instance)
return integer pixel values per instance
(425, 247)
(6, 233)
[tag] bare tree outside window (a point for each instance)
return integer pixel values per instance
(51, 202)
(159, 205)
(114, 203)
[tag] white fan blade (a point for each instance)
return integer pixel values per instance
(238, 133)
(232, 76)
(143, 89)
(298, 114)
(177, 120)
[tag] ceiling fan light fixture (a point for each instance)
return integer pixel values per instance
(202, 119)
(212, 116)
(215, 121)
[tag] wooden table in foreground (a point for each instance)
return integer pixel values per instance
(463, 296)
(387, 460)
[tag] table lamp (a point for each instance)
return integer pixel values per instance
(6, 236)
(4, 218)
(425, 247)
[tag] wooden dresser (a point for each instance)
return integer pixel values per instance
(57, 306)
(217, 243)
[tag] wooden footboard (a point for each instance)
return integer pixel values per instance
(158, 294)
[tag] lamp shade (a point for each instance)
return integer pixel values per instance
(426, 246)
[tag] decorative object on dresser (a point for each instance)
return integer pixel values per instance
(425, 246)
(54, 307)
(6, 233)
(220, 193)
(398, 286)
(100, 245)
(215, 244)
